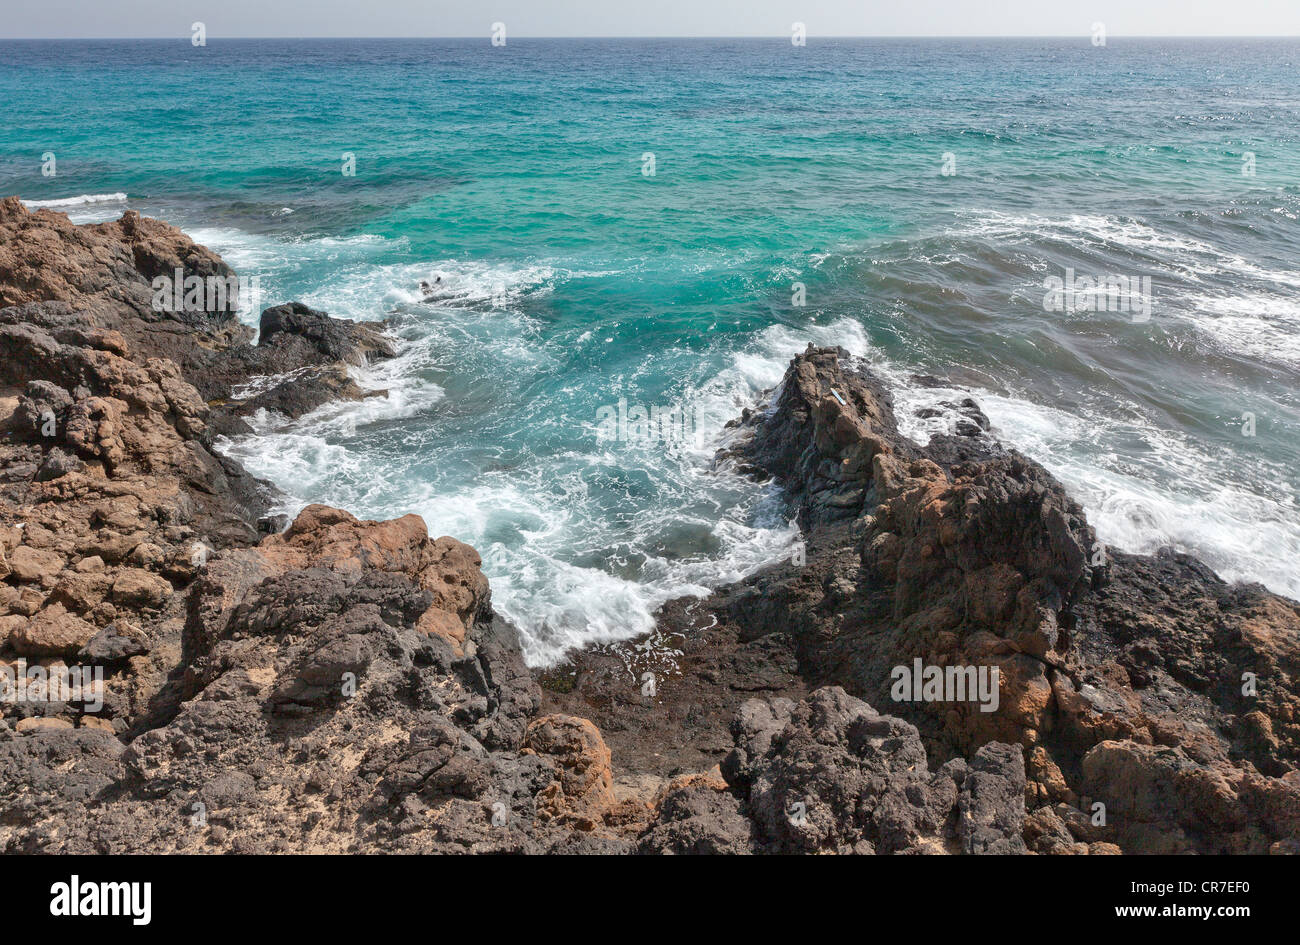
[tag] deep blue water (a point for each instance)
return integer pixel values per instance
(570, 279)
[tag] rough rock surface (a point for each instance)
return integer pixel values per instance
(345, 686)
(340, 686)
(1156, 705)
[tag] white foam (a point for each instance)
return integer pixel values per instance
(276, 264)
(1189, 256)
(569, 568)
(403, 398)
(77, 201)
(1144, 488)
(1257, 325)
(559, 606)
(556, 553)
(301, 464)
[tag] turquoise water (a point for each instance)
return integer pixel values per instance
(570, 279)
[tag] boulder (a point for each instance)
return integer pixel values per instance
(140, 588)
(52, 632)
(34, 565)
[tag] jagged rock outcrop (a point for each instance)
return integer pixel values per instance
(45, 257)
(112, 494)
(301, 362)
(1146, 685)
(339, 686)
(829, 774)
(319, 715)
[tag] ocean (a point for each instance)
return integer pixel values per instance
(1099, 244)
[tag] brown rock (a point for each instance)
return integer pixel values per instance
(9, 625)
(82, 593)
(33, 565)
(711, 779)
(139, 587)
(1124, 676)
(29, 601)
(1159, 800)
(52, 632)
(449, 569)
(583, 789)
(34, 725)
(47, 257)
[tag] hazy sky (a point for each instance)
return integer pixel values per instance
(162, 18)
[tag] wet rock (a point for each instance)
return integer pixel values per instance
(293, 325)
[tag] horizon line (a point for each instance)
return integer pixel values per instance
(783, 36)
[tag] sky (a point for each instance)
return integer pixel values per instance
(31, 19)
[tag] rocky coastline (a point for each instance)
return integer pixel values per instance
(337, 685)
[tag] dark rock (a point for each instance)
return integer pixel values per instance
(108, 646)
(971, 555)
(57, 464)
(699, 819)
(293, 325)
(991, 809)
